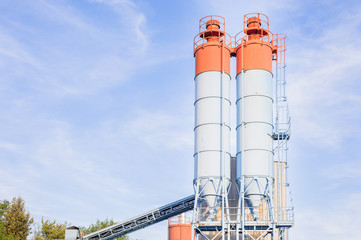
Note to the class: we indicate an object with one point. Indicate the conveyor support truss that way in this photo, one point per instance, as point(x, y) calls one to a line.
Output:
point(144, 220)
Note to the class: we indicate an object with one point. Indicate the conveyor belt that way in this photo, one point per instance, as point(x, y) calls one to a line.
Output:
point(144, 220)
point(281, 136)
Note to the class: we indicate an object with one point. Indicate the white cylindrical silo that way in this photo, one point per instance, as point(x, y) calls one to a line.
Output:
point(212, 116)
point(255, 113)
point(255, 139)
point(212, 134)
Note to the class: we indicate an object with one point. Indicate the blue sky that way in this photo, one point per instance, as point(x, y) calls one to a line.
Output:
point(96, 100)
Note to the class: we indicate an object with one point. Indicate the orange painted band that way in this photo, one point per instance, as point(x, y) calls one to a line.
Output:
point(254, 54)
point(180, 231)
point(211, 57)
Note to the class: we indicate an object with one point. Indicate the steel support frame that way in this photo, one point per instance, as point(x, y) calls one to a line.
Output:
point(242, 223)
point(199, 215)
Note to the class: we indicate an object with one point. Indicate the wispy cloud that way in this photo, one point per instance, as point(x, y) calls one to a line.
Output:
point(92, 161)
point(160, 129)
point(12, 49)
point(332, 221)
point(53, 166)
point(65, 13)
point(57, 164)
point(133, 21)
point(55, 64)
point(322, 82)
point(347, 170)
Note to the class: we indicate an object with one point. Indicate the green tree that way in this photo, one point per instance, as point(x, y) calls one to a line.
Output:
point(4, 206)
point(100, 225)
point(16, 220)
point(50, 230)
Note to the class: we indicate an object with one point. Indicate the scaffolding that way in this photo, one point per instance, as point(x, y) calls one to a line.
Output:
point(284, 212)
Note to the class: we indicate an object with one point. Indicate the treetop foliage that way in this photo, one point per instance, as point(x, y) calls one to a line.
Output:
point(100, 225)
point(51, 230)
point(15, 221)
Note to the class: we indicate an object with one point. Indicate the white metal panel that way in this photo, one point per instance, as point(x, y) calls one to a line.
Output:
point(257, 136)
point(212, 133)
point(208, 164)
point(257, 163)
point(256, 82)
point(209, 84)
point(207, 138)
point(257, 108)
point(208, 111)
point(254, 136)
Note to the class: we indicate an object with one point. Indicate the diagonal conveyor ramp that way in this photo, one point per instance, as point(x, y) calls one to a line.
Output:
point(143, 220)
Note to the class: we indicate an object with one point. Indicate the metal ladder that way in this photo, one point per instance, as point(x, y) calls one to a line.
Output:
point(281, 135)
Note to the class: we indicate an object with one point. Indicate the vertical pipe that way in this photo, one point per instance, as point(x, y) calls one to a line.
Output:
point(221, 134)
point(242, 149)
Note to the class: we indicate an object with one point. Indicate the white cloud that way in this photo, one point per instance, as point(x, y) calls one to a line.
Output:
point(52, 171)
point(133, 21)
point(346, 170)
point(160, 129)
point(72, 54)
point(55, 159)
point(322, 82)
point(10, 48)
point(338, 220)
point(8, 146)
point(64, 13)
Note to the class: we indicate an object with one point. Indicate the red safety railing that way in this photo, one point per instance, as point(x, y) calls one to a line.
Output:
point(208, 31)
point(279, 41)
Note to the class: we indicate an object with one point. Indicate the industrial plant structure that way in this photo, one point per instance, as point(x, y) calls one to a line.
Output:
point(244, 196)
point(256, 206)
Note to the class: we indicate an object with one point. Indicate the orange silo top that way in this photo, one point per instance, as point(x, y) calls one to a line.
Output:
point(211, 46)
point(255, 50)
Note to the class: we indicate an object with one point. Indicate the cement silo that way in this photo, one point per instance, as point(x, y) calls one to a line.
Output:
point(212, 116)
point(255, 111)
